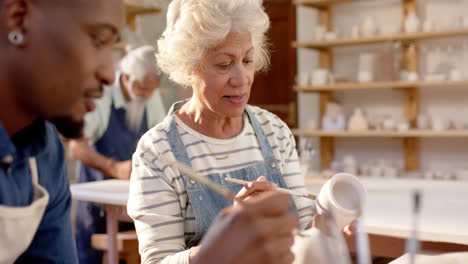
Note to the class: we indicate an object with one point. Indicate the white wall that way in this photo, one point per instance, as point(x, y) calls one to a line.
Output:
point(448, 102)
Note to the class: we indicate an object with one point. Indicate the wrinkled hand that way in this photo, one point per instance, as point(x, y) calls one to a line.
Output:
point(257, 231)
point(120, 169)
point(254, 188)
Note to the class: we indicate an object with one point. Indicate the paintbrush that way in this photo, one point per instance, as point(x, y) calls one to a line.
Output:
point(200, 178)
point(412, 244)
point(281, 190)
point(211, 185)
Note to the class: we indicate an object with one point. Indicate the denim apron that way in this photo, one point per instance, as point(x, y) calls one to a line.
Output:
point(206, 203)
point(118, 142)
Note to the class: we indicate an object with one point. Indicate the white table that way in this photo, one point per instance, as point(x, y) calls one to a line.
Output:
point(449, 258)
point(444, 209)
point(113, 194)
point(444, 213)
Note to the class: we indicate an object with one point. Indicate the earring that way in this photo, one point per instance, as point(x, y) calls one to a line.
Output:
point(16, 37)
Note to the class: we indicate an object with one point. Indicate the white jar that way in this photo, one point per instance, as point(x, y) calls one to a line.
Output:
point(412, 23)
point(368, 27)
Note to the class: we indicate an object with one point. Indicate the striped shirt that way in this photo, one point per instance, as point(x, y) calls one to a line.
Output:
point(159, 204)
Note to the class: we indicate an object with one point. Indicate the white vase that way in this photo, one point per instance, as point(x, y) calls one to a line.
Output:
point(412, 23)
point(358, 122)
point(368, 27)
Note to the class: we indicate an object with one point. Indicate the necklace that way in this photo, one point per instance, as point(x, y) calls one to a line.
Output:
point(225, 154)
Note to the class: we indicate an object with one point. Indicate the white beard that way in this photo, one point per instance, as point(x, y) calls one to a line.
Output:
point(134, 114)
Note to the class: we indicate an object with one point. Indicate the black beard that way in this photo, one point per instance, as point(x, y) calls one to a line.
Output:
point(69, 127)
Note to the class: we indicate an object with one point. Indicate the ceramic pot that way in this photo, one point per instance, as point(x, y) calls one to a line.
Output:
point(423, 122)
point(314, 244)
point(358, 122)
point(412, 23)
point(321, 77)
point(368, 27)
point(344, 196)
point(334, 124)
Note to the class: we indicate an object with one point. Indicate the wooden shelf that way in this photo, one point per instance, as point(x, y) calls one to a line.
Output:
point(135, 9)
point(380, 39)
point(321, 3)
point(410, 133)
point(378, 85)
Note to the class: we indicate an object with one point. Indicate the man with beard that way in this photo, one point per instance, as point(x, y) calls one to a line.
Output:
point(54, 58)
point(127, 110)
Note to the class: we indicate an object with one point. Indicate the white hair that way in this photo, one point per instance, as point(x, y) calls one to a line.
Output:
point(194, 26)
point(139, 62)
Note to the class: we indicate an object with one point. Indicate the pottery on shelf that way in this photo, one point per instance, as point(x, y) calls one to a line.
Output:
point(413, 77)
point(329, 36)
point(423, 122)
point(350, 164)
point(412, 23)
point(334, 124)
point(389, 124)
point(321, 77)
point(368, 27)
point(358, 121)
point(440, 123)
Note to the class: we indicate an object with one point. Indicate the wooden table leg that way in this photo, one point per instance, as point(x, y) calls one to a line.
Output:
point(112, 229)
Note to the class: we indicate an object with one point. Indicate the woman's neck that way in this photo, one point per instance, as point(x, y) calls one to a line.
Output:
point(209, 123)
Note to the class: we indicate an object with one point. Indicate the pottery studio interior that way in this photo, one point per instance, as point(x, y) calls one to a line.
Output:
point(359, 113)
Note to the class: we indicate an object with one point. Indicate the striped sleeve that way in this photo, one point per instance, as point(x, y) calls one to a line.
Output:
point(155, 200)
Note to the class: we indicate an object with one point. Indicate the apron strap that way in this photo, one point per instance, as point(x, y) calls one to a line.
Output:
point(33, 168)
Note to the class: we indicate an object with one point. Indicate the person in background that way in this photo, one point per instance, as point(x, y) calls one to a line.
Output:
point(128, 108)
point(214, 47)
point(55, 56)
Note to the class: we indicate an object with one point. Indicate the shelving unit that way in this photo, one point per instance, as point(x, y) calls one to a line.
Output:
point(377, 134)
point(323, 3)
point(381, 39)
point(378, 85)
point(410, 90)
point(132, 10)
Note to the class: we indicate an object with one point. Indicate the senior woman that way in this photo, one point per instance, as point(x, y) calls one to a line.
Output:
point(214, 47)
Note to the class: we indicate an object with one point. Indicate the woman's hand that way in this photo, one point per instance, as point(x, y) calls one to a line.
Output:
point(254, 188)
point(258, 231)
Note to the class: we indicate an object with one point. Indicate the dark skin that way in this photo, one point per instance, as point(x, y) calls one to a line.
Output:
point(63, 62)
